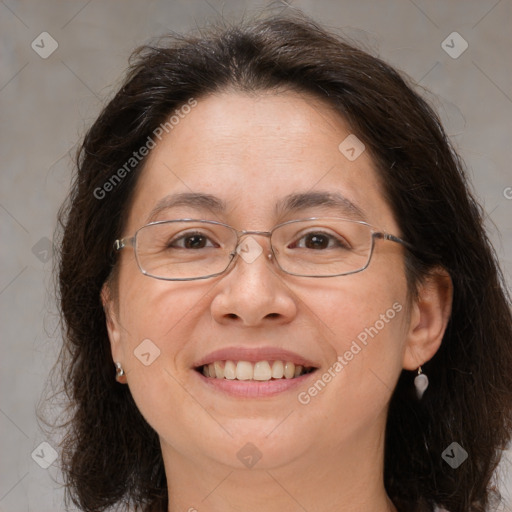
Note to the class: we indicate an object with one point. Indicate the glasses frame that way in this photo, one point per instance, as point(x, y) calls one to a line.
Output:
point(123, 243)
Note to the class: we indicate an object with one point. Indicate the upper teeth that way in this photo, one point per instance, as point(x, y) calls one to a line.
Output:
point(245, 370)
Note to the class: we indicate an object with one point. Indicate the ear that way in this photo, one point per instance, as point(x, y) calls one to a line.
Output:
point(430, 313)
point(113, 326)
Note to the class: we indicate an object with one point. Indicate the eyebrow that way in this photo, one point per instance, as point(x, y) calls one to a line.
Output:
point(319, 199)
point(289, 204)
point(198, 200)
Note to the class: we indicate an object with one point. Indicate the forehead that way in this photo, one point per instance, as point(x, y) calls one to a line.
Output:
point(252, 151)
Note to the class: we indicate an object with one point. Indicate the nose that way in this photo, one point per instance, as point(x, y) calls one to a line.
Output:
point(253, 292)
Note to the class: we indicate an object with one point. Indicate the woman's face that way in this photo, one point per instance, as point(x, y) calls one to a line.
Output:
point(253, 152)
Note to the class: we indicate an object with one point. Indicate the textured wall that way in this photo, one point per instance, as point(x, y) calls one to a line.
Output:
point(48, 99)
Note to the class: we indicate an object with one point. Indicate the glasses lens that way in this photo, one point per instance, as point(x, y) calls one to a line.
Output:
point(322, 247)
point(184, 249)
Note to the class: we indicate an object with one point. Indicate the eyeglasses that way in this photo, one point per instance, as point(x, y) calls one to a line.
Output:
point(188, 249)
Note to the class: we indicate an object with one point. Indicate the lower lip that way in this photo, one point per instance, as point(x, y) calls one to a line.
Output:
point(253, 388)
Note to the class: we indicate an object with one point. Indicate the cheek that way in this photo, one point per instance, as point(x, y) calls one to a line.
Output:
point(151, 314)
point(363, 319)
point(157, 311)
point(158, 319)
point(366, 339)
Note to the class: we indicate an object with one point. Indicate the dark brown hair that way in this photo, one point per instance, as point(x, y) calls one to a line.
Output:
point(110, 454)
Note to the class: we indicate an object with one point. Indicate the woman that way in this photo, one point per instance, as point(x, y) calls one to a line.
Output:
point(276, 289)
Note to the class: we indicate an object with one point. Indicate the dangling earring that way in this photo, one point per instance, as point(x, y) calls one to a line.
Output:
point(119, 371)
point(421, 383)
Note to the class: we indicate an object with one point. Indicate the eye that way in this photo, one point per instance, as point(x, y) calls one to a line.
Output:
point(192, 240)
point(319, 240)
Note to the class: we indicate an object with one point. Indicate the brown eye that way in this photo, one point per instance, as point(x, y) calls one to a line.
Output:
point(191, 241)
point(317, 240)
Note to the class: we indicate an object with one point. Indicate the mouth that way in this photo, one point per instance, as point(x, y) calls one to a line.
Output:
point(260, 371)
point(255, 372)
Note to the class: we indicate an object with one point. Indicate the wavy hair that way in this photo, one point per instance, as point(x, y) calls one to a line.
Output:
point(110, 455)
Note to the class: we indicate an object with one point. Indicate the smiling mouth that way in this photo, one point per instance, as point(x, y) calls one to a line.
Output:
point(258, 371)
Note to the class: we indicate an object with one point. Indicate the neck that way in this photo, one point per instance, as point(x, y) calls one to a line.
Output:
point(348, 477)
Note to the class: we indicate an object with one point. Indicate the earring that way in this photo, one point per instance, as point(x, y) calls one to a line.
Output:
point(119, 371)
point(421, 383)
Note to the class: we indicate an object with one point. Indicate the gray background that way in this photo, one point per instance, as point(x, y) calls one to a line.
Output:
point(46, 105)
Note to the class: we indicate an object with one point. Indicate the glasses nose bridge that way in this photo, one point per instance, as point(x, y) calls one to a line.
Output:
point(241, 234)
point(245, 232)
